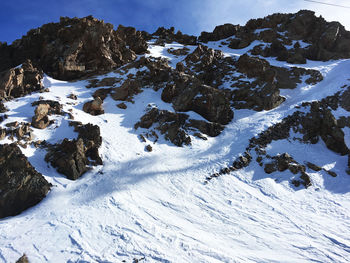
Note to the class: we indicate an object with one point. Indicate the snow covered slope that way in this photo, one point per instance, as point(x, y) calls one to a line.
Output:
point(155, 207)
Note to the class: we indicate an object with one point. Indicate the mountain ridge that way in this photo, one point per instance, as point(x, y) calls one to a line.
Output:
point(168, 137)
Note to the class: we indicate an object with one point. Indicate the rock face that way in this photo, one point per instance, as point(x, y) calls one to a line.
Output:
point(20, 81)
point(71, 157)
point(220, 32)
point(168, 36)
point(20, 184)
point(74, 48)
point(325, 40)
point(175, 126)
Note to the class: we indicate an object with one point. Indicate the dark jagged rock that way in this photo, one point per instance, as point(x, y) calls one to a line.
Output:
point(127, 90)
point(3, 109)
point(242, 161)
point(176, 126)
point(102, 93)
point(54, 106)
point(23, 259)
point(74, 48)
point(179, 51)
point(168, 36)
point(345, 99)
point(20, 81)
point(172, 125)
point(220, 32)
point(71, 157)
point(133, 38)
point(94, 107)
point(204, 55)
point(108, 82)
point(210, 103)
point(313, 166)
point(327, 40)
point(263, 92)
point(20, 184)
point(209, 128)
point(45, 108)
point(317, 123)
point(41, 119)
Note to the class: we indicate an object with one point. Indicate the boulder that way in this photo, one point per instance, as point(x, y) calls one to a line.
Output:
point(41, 119)
point(94, 107)
point(21, 186)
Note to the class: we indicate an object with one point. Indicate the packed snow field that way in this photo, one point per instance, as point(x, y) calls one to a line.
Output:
point(155, 207)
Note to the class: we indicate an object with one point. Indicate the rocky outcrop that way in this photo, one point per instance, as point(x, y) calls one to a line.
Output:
point(94, 107)
point(73, 157)
point(176, 127)
point(326, 40)
point(74, 48)
point(345, 99)
point(20, 81)
point(261, 94)
point(171, 125)
point(317, 123)
point(41, 119)
point(134, 39)
point(263, 91)
point(220, 32)
point(45, 108)
point(21, 186)
point(168, 36)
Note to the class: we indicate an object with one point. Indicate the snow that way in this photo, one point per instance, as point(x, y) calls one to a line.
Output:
point(156, 206)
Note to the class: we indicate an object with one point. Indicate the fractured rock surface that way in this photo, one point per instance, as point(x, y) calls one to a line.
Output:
point(21, 186)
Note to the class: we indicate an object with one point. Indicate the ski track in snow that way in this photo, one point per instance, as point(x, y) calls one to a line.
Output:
point(155, 206)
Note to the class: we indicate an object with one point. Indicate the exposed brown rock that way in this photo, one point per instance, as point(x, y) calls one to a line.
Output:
point(73, 48)
point(23, 259)
point(20, 184)
point(20, 81)
point(220, 32)
point(133, 38)
point(40, 119)
point(102, 93)
point(122, 106)
point(168, 36)
point(148, 148)
point(127, 90)
point(94, 107)
point(71, 157)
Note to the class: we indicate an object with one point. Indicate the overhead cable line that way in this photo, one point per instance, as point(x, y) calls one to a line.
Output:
point(323, 3)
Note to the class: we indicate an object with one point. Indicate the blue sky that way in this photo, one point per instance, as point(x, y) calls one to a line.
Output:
point(190, 16)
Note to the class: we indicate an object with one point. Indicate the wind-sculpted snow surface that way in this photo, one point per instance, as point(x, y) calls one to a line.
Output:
point(138, 205)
